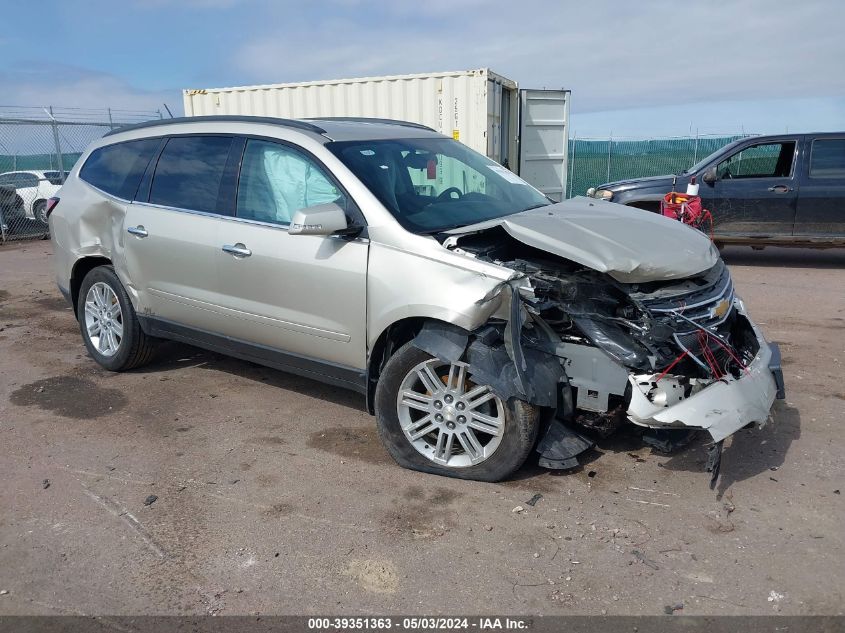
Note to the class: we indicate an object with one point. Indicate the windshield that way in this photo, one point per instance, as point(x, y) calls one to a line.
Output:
point(435, 184)
point(704, 161)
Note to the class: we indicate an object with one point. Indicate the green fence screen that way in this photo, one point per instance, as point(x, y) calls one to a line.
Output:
point(593, 162)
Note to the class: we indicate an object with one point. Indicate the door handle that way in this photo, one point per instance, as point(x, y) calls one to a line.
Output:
point(780, 189)
point(238, 250)
point(138, 231)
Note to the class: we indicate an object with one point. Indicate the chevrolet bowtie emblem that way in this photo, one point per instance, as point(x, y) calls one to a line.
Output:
point(720, 309)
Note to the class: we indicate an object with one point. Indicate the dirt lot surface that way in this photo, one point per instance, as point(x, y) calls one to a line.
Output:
point(275, 496)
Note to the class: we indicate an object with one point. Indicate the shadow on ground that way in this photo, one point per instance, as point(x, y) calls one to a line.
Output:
point(174, 356)
point(750, 452)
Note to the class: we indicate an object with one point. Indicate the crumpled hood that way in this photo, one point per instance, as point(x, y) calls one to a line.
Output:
point(631, 245)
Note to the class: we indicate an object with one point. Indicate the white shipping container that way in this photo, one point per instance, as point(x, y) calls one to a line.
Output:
point(477, 107)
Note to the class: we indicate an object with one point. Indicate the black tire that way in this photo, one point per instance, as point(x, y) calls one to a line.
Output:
point(521, 426)
point(39, 212)
point(136, 348)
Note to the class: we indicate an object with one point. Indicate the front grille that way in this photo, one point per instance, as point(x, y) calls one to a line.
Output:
point(706, 307)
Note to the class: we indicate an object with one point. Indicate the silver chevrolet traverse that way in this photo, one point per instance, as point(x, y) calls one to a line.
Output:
point(479, 319)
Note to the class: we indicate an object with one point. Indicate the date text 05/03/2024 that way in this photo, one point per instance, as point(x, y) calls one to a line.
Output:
point(418, 623)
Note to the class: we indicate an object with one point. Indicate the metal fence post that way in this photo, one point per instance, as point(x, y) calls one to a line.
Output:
point(111, 122)
point(609, 146)
point(570, 184)
point(695, 152)
point(55, 126)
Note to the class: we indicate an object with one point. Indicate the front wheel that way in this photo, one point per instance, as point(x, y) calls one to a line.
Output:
point(433, 417)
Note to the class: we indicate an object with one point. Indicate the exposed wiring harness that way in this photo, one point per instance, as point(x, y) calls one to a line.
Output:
point(710, 363)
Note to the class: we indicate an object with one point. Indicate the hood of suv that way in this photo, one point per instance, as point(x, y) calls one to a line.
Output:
point(631, 245)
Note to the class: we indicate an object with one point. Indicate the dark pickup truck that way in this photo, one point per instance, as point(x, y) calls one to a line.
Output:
point(785, 190)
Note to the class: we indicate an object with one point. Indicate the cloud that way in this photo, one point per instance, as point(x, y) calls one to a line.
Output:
point(46, 84)
point(613, 55)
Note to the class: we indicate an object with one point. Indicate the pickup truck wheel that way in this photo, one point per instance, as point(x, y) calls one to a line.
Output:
point(108, 323)
point(433, 418)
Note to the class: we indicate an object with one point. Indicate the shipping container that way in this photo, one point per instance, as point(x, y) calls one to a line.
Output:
point(524, 130)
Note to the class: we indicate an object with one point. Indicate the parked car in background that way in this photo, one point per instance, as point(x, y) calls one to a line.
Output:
point(479, 320)
point(785, 190)
point(34, 187)
point(11, 209)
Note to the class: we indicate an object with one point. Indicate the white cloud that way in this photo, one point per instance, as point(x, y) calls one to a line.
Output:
point(44, 85)
point(613, 55)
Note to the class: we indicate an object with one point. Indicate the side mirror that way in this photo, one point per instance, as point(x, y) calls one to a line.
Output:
point(710, 176)
point(323, 219)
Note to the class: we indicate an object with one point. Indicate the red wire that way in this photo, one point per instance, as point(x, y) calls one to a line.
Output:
point(730, 351)
point(707, 353)
point(672, 364)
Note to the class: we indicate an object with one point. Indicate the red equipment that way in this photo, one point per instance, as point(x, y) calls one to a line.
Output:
point(687, 209)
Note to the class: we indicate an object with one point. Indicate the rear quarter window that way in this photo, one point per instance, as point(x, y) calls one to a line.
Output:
point(117, 169)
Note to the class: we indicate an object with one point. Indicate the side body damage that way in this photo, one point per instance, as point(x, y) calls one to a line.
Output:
point(664, 352)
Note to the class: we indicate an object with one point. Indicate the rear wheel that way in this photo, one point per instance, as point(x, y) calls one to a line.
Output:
point(108, 322)
point(434, 418)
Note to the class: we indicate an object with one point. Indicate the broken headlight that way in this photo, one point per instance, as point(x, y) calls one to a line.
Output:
point(601, 194)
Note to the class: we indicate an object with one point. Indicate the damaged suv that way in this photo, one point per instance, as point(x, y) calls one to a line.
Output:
point(480, 320)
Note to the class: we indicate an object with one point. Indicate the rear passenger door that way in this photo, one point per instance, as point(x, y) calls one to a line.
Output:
point(171, 230)
point(301, 294)
point(755, 192)
point(821, 203)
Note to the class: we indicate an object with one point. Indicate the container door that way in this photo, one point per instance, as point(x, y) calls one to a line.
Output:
point(543, 134)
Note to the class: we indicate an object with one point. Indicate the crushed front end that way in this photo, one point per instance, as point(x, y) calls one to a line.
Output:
point(664, 354)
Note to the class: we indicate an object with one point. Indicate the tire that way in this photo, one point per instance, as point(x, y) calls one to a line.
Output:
point(39, 212)
point(134, 348)
point(519, 421)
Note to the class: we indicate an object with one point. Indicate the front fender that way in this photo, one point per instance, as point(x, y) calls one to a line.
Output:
point(437, 285)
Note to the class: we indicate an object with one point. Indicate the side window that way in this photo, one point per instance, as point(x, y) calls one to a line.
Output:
point(276, 181)
point(27, 180)
point(827, 158)
point(117, 169)
point(767, 160)
point(189, 172)
point(7, 180)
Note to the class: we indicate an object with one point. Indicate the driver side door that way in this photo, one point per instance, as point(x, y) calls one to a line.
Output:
point(755, 191)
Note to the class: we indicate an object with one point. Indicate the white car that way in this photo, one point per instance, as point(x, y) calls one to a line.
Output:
point(34, 187)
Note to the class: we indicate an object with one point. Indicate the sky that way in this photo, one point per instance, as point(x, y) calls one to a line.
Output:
point(636, 68)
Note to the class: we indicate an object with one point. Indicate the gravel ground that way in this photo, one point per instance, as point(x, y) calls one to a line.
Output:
point(275, 496)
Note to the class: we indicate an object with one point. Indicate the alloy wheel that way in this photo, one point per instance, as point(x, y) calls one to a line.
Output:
point(103, 319)
point(446, 417)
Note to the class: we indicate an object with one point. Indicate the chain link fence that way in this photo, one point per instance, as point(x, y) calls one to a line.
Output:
point(38, 146)
point(593, 162)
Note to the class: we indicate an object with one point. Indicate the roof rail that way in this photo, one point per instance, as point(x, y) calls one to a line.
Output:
point(232, 118)
point(361, 119)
